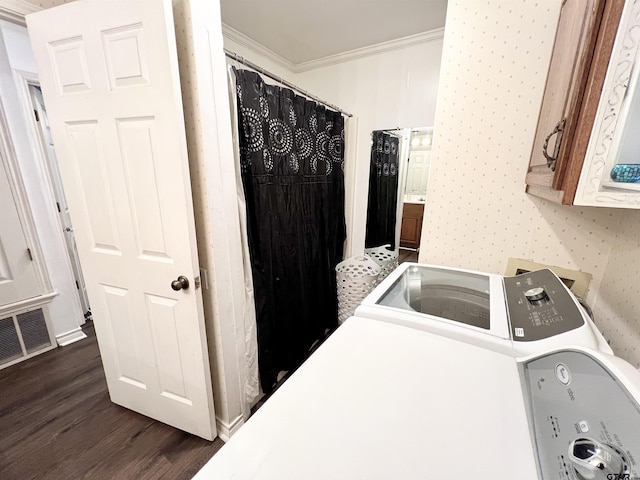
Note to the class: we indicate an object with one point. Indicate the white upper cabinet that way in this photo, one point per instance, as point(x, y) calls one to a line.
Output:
point(610, 176)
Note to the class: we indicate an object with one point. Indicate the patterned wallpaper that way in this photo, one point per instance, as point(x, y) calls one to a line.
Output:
point(495, 61)
point(618, 305)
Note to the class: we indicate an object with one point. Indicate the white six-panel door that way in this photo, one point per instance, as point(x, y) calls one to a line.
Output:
point(418, 171)
point(109, 73)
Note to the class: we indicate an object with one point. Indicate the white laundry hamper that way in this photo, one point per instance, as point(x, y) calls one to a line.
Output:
point(356, 278)
point(387, 260)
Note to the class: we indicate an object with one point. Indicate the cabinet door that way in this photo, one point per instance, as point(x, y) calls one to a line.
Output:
point(411, 229)
point(570, 62)
point(608, 177)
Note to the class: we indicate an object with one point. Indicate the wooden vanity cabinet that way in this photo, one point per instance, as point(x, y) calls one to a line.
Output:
point(411, 228)
point(582, 48)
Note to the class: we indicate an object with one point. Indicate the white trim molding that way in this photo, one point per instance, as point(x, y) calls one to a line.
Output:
point(15, 10)
point(28, 304)
point(389, 46)
point(248, 42)
point(70, 337)
point(226, 430)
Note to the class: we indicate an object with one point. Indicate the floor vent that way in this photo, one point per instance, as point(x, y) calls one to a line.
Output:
point(23, 334)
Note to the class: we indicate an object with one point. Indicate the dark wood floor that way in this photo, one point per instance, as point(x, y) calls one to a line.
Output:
point(57, 422)
point(407, 256)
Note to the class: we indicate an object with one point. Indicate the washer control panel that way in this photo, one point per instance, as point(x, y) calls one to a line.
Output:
point(585, 423)
point(540, 306)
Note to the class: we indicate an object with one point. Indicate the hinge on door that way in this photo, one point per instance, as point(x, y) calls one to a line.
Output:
point(77, 285)
point(197, 282)
point(58, 205)
point(37, 115)
point(30, 254)
point(203, 278)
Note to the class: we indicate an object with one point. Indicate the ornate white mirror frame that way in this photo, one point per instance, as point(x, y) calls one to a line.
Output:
point(621, 84)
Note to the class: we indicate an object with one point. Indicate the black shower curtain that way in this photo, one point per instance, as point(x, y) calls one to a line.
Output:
point(291, 153)
point(383, 191)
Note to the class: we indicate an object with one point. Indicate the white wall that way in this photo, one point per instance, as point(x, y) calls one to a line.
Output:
point(478, 215)
point(16, 55)
point(617, 307)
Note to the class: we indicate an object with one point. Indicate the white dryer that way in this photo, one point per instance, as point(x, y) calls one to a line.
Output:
point(380, 401)
point(524, 314)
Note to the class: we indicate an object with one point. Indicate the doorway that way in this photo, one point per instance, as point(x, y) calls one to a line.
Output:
point(415, 193)
point(46, 140)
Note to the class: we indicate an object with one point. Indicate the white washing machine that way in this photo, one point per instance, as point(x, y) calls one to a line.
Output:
point(402, 391)
point(382, 401)
point(524, 314)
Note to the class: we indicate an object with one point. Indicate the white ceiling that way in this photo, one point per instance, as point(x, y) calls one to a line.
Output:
point(305, 30)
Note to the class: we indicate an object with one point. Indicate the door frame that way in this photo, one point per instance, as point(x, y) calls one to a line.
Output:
point(210, 145)
point(24, 80)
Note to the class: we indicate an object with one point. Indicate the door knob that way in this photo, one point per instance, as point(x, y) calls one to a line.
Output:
point(180, 283)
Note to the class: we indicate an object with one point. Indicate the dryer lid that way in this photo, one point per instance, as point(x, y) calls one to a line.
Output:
point(381, 401)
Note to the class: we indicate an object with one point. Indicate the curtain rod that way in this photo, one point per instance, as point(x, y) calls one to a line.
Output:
point(413, 130)
point(278, 79)
point(390, 132)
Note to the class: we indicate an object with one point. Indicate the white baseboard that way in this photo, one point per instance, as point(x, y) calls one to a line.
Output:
point(69, 337)
point(226, 430)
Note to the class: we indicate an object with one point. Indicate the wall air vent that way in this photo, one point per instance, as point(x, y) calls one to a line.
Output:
point(23, 334)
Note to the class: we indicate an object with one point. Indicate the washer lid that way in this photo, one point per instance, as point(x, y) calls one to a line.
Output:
point(381, 401)
point(454, 295)
point(464, 303)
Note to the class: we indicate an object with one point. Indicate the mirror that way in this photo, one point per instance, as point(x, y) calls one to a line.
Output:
point(398, 175)
point(419, 162)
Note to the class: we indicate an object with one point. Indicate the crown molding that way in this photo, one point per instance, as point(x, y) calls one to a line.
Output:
point(248, 42)
point(397, 44)
point(15, 10)
point(377, 49)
